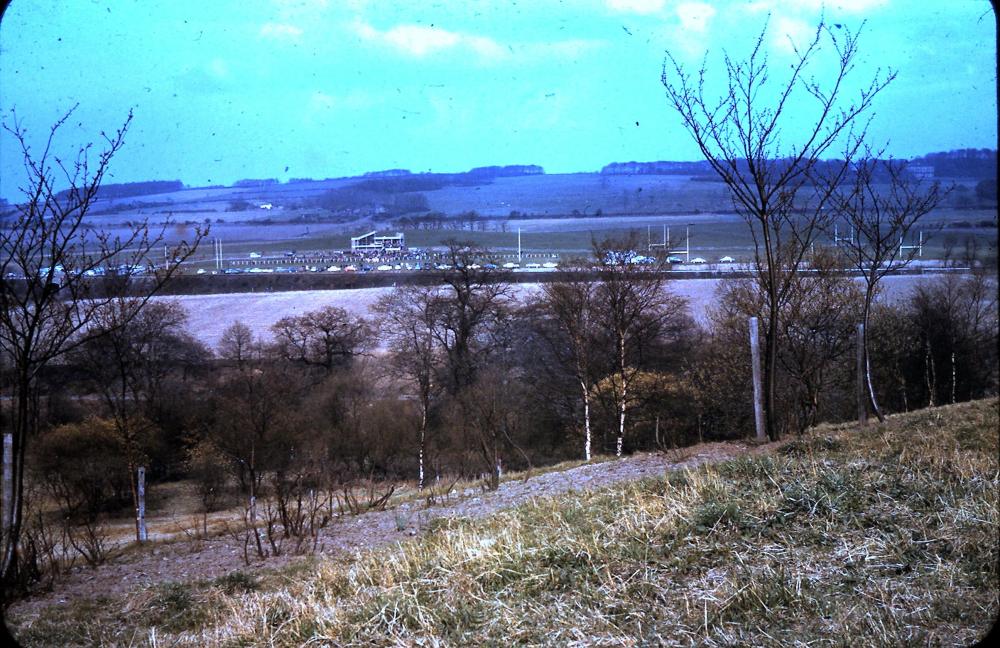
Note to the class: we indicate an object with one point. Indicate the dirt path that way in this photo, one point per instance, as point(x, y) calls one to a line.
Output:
point(208, 559)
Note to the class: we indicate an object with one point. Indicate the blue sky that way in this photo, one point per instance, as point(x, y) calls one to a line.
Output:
point(231, 89)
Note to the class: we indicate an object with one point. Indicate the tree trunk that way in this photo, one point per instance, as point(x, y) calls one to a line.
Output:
point(758, 405)
point(8, 564)
point(422, 449)
point(954, 377)
point(622, 401)
point(134, 491)
point(140, 518)
point(860, 387)
point(8, 486)
point(771, 338)
point(586, 421)
point(929, 376)
point(872, 400)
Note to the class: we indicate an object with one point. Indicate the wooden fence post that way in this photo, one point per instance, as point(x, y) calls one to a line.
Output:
point(141, 511)
point(758, 391)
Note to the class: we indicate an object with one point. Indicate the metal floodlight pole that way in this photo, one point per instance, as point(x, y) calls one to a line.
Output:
point(518, 244)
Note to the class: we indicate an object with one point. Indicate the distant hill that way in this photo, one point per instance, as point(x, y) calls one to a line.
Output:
point(129, 189)
point(509, 171)
point(662, 167)
point(979, 164)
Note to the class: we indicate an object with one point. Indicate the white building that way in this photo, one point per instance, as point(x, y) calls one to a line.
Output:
point(371, 242)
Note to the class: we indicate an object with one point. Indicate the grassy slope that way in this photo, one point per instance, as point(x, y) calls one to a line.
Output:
point(887, 536)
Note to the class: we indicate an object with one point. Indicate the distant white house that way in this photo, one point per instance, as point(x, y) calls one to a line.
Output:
point(372, 242)
point(921, 171)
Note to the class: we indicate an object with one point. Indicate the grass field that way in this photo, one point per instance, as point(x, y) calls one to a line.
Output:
point(886, 536)
point(209, 315)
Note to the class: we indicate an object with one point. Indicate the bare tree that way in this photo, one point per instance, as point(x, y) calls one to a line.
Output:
point(257, 426)
point(407, 318)
point(237, 344)
point(570, 301)
point(634, 307)
point(774, 168)
point(817, 327)
point(492, 413)
point(323, 338)
point(50, 310)
point(126, 363)
point(472, 301)
point(882, 205)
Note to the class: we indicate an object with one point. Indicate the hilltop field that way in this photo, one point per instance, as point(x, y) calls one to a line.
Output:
point(557, 214)
point(209, 315)
point(886, 535)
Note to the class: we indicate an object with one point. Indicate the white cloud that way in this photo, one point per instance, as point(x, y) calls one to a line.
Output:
point(789, 33)
point(321, 101)
point(217, 68)
point(320, 107)
point(565, 49)
point(695, 16)
point(301, 5)
point(419, 40)
point(846, 6)
point(814, 7)
point(635, 6)
point(280, 31)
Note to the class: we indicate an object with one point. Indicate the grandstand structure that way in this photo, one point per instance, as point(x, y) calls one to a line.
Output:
point(373, 242)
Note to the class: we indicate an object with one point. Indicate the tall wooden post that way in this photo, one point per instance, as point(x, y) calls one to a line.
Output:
point(140, 512)
point(8, 485)
point(758, 390)
point(862, 397)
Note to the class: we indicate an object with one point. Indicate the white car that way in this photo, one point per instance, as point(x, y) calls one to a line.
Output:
point(384, 268)
point(698, 260)
point(509, 265)
point(533, 265)
point(550, 264)
point(333, 268)
point(255, 255)
point(727, 259)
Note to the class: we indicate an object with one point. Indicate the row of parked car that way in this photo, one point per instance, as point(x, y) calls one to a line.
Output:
point(385, 267)
point(700, 260)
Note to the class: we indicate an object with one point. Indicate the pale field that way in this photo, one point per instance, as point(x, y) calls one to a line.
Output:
point(209, 315)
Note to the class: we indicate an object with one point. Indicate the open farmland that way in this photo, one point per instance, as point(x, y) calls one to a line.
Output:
point(211, 314)
point(558, 214)
point(584, 194)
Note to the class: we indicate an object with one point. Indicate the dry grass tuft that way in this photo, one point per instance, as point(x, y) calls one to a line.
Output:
point(883, 536)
